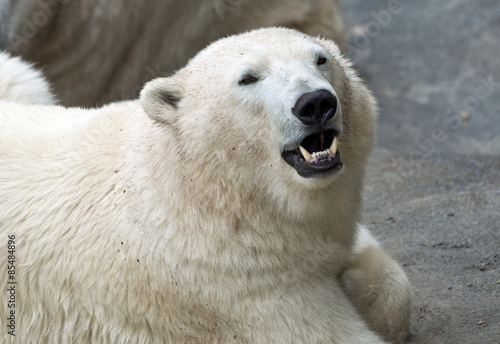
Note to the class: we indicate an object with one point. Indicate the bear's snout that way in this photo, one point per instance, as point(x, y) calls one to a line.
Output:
point(316, 107)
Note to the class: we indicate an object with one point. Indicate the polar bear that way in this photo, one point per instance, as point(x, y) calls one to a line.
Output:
point(221, 207)
point(96, 51)
point(20, 82)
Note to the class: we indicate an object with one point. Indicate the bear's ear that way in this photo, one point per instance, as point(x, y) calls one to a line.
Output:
point(160, 99)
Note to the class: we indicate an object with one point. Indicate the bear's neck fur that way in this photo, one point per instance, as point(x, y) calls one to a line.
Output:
point(245, 233)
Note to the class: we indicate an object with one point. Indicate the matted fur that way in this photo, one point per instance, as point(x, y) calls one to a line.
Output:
point(178, 221)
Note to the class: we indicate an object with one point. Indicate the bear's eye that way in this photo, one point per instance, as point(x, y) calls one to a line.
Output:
point(321, 61)
point(248, 79)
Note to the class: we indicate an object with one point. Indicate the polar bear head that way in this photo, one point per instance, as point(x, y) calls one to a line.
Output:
point(268, 110)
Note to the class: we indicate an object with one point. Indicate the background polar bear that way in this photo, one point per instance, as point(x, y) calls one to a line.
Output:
point(21, 83)
point(192, 215)
point(98, 51)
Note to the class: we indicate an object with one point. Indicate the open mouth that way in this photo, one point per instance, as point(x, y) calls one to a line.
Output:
point(316, 156)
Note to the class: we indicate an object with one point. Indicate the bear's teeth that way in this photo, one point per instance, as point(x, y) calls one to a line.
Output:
point(333, 147)
point(308, 156)
point(305, 154)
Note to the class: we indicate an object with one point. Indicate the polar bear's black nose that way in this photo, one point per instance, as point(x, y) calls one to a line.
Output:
point(315, 107)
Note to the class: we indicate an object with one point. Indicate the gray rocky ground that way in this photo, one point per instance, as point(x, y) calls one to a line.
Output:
point(433, 186)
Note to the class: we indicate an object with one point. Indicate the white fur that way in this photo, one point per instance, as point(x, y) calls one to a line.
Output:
point(175, 219)
point(378, 288)
point(20, 82)
point(96, 51)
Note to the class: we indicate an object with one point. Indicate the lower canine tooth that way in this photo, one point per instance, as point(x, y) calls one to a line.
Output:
point(333, 147)
point(305, 154)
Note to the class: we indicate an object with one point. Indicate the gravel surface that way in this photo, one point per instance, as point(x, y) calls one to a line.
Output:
point(441, 221)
